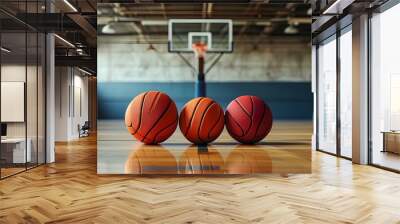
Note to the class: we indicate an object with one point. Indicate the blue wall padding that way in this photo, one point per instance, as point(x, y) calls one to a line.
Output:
point(287, 100)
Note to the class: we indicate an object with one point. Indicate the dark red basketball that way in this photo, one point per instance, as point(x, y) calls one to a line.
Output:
point(201, 120)
point(248, 119)
point(151, 117)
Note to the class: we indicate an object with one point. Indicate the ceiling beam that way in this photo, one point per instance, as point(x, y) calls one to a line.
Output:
point(76, 61)
point(86, 27)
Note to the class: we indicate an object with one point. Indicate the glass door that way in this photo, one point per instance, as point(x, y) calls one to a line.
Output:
point(22, 77)
point(327, 96)
point(14, 144)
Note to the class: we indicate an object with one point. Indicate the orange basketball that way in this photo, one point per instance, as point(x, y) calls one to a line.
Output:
point(201, 120)
point(248, 119)
point(151, 117)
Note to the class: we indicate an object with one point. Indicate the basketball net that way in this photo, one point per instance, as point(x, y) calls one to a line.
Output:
point(199, 49)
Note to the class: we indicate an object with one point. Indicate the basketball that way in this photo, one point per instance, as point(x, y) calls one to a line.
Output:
point(201, 120)
point(248, 119)
point(151, 117)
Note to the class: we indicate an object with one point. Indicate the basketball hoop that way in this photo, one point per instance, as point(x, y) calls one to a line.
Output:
point(199, 49)
point(199, 36)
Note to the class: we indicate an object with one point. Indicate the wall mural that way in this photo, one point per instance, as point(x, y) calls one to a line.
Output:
point(178, 97)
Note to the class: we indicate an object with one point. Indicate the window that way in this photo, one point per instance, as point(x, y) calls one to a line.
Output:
point(334, 100)
point(346, 93)
point(385, 89)
point(327, 95)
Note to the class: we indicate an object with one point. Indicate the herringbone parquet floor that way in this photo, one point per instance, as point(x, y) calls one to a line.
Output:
point(70, 191)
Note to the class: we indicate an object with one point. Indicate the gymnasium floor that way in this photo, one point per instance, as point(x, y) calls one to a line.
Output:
point(285, 150)
point(70, 191)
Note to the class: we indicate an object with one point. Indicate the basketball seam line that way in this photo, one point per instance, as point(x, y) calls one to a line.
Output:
point(168, 126)
point(215, 125)
point(233, 119)
point(259, 124)
point(159, 118)
point(191, 117)
point(252, 114)
point(202, 119)
point(157, 98)
point(140, 114)
point(248, 114)
point(244, 110)
point(131, 126)
point(156, 122)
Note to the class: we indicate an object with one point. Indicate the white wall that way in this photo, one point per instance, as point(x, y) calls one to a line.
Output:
point(70, 109)
point(248, 62)
point(62, 81)
point(80, 109)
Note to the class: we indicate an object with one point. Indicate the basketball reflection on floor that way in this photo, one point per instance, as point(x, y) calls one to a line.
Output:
point(159, 159)
point(245, 160)
point(150, 159)
point(201, 161)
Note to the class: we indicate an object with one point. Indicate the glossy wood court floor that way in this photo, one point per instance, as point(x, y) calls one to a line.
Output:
point(279, 152)
point(70, 191)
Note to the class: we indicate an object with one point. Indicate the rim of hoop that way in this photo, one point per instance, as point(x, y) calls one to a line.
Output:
point(199, 48)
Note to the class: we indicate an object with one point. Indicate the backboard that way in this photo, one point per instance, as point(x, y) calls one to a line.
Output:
point(215, 33)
